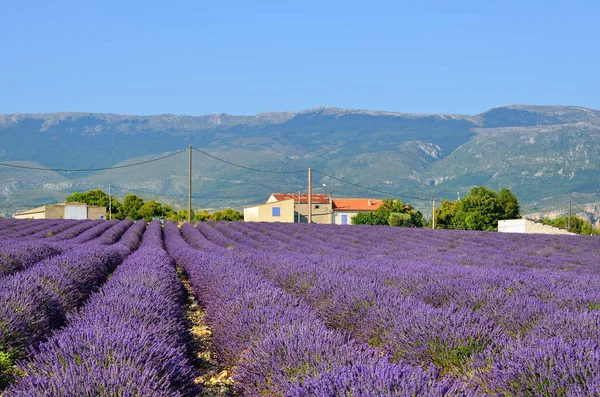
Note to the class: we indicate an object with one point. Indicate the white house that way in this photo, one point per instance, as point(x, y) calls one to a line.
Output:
point(345, 208)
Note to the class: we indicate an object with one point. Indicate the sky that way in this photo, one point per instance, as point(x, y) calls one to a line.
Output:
point(247, 57)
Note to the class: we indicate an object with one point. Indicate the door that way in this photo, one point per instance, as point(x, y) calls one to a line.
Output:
point(344, 219)
point(75, 212)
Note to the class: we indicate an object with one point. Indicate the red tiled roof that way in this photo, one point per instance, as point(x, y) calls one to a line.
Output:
point(357, 204)
point(316, 198)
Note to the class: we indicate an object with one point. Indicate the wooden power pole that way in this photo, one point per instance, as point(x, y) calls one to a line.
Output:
point(309, 195)
point(569, 220)
point(433, 214)
point(189, 215)
point(109, 203)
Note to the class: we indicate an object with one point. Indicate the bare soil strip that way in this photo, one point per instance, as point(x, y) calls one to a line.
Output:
point(215, 379)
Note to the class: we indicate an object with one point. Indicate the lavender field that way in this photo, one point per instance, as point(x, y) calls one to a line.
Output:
point(101, 308)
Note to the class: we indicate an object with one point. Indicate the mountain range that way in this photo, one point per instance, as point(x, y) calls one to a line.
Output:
point(546, 155)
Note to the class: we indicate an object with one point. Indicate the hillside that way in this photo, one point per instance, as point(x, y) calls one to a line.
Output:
point(543, 153)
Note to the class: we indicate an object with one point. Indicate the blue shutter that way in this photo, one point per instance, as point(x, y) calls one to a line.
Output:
point(344, 219)
point(275, 211)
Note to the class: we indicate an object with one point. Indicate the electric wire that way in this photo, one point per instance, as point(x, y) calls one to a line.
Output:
point(245, 167)
point(92, 169)
point(155, 194)
point(372, 189)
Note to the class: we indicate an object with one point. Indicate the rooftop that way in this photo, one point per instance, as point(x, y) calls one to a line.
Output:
point(316, 198)
point(356, 204)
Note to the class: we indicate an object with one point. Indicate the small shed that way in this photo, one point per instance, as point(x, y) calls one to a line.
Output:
point(64, 211)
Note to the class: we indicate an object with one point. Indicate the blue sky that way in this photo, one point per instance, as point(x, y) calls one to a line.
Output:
point(246, 57)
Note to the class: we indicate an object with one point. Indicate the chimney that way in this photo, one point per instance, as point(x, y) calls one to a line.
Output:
point(369, 203)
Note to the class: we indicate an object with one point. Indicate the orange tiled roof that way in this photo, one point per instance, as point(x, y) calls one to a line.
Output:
point(356, 204)
point(316, 198)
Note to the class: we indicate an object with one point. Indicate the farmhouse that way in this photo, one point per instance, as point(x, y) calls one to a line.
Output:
point(64, 211)
point(290, 207)
point(344, 209)
point(293, 208)
point(528, 226)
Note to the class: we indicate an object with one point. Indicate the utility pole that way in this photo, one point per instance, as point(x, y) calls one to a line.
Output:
point(569, 220)
point(433, 216)
point(109, 203)
point(309, 195)
point(189, 217)
point(299, 202)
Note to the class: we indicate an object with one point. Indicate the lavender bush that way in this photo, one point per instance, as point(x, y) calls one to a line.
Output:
point(129, 340)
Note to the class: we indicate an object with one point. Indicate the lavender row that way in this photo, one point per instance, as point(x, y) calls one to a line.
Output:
point(26, 227)
point(571, 252)
point(54, 229)
point(36, 300)
point(75, 231)
point(278, 345)
point(16, 256)
point(130, 339)
point(132, 237)
point(94, 232)
point(7, 226)
point(468, 322)
point(112, 234)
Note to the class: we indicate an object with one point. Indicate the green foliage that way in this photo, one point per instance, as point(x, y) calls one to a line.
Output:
point(508, 203)
point(7, 369)
point(202, 216)
point(227, 214)
point(96, 197)
point(391, 212)
point(578, 225)
point(481, 209)
point(455, 359)
point(135, 208)
point(152, 209)
point(399, 219)
point(131, 207)
point(368, 218)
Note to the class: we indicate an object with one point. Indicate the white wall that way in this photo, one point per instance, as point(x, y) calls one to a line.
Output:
point(75, 212)
point(512, 226)
point(337, 216)
point(251, 214)
point(528, 226)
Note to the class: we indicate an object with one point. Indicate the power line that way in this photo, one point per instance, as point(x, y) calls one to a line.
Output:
point(374, 190)
point(91, 169)
point(247, 168)
point(179, 196)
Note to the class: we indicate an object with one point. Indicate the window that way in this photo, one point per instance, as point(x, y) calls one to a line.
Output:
point(344, 219)
point(275, 211)
point(317, 207)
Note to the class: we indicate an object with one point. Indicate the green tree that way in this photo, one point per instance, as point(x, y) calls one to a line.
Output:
point(444, 215)
point(367, 218)
point(182, 215)
point(96, 197)
point(481, 209)
point(202, 216)
point(381, 216)
point(131, 207)
point(484, 203)
point(151, 209)
point(227, 214)
point(578, 225)
point(509, 204)
point(399, 219)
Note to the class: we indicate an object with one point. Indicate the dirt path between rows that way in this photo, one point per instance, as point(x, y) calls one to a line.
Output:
point(215, 379)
